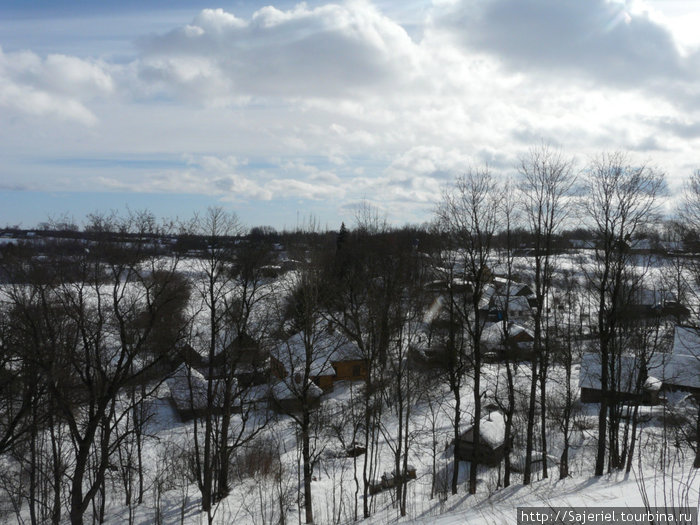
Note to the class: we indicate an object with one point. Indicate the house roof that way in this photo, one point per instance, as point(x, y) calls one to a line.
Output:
point(678, 370)
point(290, 388)
point(512, 288)
point(668, 369)
point(292, 354)
point(492, 429)
point(686, 341)
point(494, 334)
point(188, 389)
point(517, 303)
point(590, 374)
point(347, 351)
point(327, 347)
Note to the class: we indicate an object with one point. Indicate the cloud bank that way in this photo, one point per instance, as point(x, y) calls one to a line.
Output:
point(327, 105)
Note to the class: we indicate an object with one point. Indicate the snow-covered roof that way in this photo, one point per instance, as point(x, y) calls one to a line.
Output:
point(492, 429)
point(290, 388)
point(627, 367)
point(678, 370)
point(509, 287)
point(517, 303)
point(494, 334)
point(188, 389)
point(686, 341)
point(327, 346)
point(292, 354)
point(668, 369)
point(347, 351)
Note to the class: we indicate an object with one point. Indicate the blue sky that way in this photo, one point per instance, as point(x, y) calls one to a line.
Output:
point(283, 110)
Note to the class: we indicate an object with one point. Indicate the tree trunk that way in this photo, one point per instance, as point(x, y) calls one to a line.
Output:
point(308, 471)
point(530, 431)
point(457, 414)
point(474, 466)
point(543, 409)
point(696, 463)
point(509, 425)
point(603, 411)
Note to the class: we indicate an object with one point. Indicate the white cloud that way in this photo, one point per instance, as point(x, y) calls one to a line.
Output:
point(56, 86)
point(329, 51)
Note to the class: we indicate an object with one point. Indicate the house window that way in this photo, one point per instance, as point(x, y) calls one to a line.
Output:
point(356, 371)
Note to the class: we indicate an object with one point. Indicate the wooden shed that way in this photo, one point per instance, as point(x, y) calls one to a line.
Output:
point(492, 432)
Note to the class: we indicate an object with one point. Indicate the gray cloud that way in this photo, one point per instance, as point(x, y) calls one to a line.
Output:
point(598, 39)
point(679, 128)
point(329, 50)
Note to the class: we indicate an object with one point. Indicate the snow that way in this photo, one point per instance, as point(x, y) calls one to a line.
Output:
point(291, 389)
point(686, 341)
point(168, 447)
point(188, 389)
point(492, 429)
point(593, 493)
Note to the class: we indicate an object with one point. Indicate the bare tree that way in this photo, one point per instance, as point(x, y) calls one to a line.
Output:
point(620, 200)
point(309, 344)
point(363, 305)
point(690, 216)
point(468, 214)
point(230, 325)
point(401, 391)
point(566, 312)
point(546, 184)
point(89, 334)
point(509, 219)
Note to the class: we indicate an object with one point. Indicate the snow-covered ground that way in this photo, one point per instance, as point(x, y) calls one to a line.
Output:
point(265, 486)
point(266, 473)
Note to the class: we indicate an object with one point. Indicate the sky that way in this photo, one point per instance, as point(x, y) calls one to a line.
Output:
point(289, 112)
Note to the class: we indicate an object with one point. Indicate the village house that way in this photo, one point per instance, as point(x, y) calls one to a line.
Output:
point(188, 394)
point(516, 347)
point(514, 308)
point(287, 396)
point(292, 358)
point(349, 363)
point(333, 358)
point(680, 370)
point(633, 381)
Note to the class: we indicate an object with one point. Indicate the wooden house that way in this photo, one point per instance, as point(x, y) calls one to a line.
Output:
point(288, 395)
point(632, 381)
point(349, 363)
point(652, 303)
point(680, 370)
point(291, 355)
point(517, 346)
point(492, 441)
point(188, 394)
point(246, 360)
